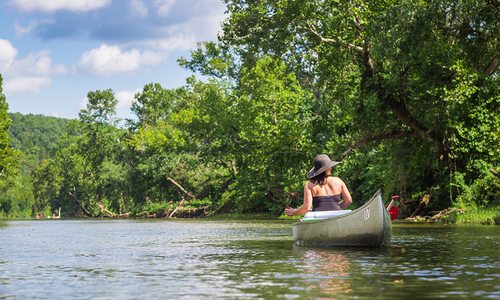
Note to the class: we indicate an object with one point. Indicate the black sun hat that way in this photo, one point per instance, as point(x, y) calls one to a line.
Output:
point(320, 164)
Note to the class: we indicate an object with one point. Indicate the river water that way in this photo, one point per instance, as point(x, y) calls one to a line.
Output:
point(193, 259)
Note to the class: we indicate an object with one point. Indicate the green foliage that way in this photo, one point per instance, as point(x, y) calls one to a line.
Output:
point(414, 81)
point(273, 120)
point(483, 192)
point(35, 136)
point(8, 157)
point(406, 93)
point(15, 190)
point(16, 197)
point(474, 215)
point(47, 181)
point(469, 215)
point(151, 209)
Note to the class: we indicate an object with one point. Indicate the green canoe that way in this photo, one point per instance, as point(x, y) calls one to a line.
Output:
point(367, 226)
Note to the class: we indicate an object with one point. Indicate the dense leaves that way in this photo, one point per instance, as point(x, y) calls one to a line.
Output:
point(404, 92)
point(7, 155)
point(36, 137)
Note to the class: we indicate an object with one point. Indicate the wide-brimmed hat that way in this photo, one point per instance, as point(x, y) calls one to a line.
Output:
point(320, 164)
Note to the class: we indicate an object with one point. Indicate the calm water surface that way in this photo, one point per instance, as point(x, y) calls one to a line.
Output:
point(132, 259)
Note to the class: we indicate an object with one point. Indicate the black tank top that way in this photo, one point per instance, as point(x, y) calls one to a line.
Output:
point(322, 203)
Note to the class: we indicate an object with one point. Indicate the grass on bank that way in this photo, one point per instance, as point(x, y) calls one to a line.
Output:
point(485, 216)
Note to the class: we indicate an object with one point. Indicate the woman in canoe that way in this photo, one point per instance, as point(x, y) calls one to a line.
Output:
point(322, 192)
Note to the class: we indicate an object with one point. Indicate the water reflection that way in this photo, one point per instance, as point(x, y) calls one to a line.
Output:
point(237, 260)
point(327, 271)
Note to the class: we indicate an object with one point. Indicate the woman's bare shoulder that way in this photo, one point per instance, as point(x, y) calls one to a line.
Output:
point(335, 180)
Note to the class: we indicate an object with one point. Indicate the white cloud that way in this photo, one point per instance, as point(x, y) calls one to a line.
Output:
point(164, 7)
point(23, 30)
point(177, 41)
point(138, 8)
point(184, 36)
point(7, 55)
point(39, 63)
point(28, 74)
point(32, 25)
point(107, 60)
point(26, 84)
point(125, 98)
point(206, 26)
point(83, 103)
point(55, 5)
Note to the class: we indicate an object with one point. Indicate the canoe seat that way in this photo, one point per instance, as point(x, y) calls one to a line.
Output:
point(315, 215)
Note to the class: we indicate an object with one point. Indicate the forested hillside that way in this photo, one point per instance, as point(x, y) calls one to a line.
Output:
point(405, 93)
point(36, 136)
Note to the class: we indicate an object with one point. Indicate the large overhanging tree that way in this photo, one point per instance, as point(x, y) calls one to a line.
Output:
point(416, 81)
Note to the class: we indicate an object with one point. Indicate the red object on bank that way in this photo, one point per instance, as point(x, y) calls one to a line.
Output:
point(393, 210)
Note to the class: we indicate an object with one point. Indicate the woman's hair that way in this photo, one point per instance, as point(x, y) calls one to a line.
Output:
point(319, 179)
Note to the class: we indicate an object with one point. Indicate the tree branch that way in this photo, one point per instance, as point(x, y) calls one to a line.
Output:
point(183, 199)
point(376, 138)
point(178, 207)
point(181, 188)
point(399, 109)
point(73, 195)
point(357, 21)
point(311, 28)
point(493, 66)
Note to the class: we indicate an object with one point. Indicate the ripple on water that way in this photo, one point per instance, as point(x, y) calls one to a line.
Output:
point(195, 259)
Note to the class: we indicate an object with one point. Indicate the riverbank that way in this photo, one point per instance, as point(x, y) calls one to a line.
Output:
point(490, 216)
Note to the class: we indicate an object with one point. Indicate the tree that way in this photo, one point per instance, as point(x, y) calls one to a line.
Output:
point(7, 154)
point(399, 81)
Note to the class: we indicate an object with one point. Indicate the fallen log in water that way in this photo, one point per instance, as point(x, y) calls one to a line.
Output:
point(107, 213)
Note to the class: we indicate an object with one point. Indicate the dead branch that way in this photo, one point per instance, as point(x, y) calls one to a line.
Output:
point(446, 212)
point(311, 28)
point(181, 188)
point(423, 203)
point(106, 212)
point(178, 207)
point(183, 199)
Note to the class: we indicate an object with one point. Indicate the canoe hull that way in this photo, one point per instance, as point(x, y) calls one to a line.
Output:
point(367, 226)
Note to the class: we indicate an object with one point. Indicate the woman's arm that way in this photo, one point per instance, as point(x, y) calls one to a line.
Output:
point(305, 207)
point(346, 196)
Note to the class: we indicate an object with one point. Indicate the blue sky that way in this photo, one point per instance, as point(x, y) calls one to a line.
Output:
point(53, 52)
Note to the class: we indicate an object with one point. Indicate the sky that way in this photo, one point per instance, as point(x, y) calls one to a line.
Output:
point(53, 52)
